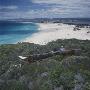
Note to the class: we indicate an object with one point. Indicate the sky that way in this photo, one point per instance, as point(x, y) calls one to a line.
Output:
point(12, 9)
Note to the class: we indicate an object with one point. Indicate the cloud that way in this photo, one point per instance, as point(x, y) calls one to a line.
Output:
point(63, 2)
point(43, 13)
point(47, 1)
point(8, 7)
point(47, 8)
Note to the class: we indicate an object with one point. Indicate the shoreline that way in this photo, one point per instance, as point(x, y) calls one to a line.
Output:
point(52, 31)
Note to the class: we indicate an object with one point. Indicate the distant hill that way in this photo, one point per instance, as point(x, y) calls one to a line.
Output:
point(54, 20)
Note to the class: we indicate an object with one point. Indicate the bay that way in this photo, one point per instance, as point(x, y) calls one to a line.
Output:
point(13, 32)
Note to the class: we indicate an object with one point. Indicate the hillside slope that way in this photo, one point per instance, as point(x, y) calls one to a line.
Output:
point(55, 73)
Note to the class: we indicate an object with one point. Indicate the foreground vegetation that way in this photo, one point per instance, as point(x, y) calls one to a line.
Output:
point(54, 73)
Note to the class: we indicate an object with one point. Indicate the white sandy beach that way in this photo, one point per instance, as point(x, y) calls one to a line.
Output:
point(53, 31)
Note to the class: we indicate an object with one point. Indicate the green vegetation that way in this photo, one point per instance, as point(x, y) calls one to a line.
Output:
point(54, 73)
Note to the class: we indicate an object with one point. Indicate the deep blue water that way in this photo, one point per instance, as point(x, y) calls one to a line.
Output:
point(16, 32)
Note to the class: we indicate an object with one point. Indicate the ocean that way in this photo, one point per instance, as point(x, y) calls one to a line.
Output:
point(13, 32)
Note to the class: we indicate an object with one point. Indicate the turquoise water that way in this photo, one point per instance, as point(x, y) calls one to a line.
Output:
point(13, 32)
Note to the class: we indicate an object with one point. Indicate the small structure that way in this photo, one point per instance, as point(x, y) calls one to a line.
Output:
point(39, 57)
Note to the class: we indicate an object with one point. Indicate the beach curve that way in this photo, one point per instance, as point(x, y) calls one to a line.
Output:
point(52, 31)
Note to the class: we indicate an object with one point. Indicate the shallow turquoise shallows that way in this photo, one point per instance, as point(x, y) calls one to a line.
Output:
point(13, 32)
